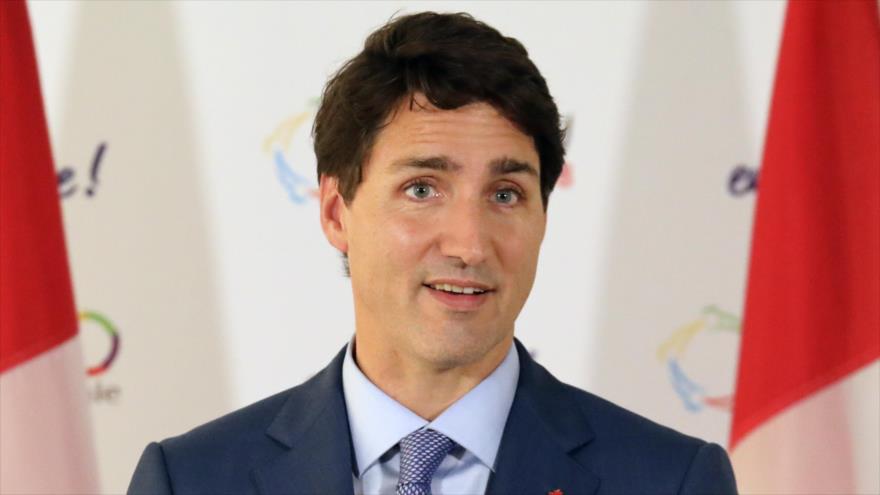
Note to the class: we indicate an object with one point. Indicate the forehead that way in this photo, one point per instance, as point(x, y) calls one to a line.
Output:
point(475, 135)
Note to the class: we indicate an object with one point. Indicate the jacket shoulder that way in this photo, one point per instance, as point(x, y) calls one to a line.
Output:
point(217, 457)
point(631, 453)
point(242, 425)
point(220, 456)
point(615, 423)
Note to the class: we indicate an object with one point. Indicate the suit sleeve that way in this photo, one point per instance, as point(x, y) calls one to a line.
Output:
point(151, 475)
point(710, 473)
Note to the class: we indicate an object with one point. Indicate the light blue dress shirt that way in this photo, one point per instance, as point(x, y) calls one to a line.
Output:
point(475, 422)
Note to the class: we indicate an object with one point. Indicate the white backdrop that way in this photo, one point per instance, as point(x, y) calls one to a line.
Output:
point(181, 137)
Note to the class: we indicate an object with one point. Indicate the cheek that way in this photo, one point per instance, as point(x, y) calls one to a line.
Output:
point(396, 242)
point(408, 233)
point(518, 243)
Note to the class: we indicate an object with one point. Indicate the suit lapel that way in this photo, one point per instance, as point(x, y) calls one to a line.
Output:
point(544, 434)
point(545, 428)
point(313, 426)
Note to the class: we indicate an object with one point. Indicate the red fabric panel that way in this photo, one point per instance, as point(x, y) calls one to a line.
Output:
point(812, 311)
point(36, 300)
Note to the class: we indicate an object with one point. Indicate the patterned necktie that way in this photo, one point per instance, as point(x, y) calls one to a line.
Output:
point(420, 453)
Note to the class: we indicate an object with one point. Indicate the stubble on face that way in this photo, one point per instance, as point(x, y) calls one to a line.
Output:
point(400, 242)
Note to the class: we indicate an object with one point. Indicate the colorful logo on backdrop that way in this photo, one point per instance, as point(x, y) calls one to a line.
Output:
point(695, 395)
point(113, 349)
point(100, 391)
point(295, 166)
point(70, 184)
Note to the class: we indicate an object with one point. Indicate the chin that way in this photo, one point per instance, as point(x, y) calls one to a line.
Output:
point(455, 347)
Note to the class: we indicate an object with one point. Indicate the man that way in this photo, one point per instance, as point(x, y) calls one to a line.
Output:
point(437, 147)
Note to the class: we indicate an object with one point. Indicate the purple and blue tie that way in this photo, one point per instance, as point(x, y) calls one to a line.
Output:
point(421, 452)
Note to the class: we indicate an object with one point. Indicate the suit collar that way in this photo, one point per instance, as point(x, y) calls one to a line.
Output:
point(545, 431)
point(313, 425)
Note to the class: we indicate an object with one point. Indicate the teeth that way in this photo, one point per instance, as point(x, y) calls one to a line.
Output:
point(457, 290)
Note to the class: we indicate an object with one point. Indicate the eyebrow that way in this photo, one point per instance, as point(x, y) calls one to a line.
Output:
point(505, 165)
point(499, 166)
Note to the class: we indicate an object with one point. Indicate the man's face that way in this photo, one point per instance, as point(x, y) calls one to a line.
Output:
point(450, 202)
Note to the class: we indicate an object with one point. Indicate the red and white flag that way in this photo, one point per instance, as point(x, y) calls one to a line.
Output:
point(45, 433)
point(807, 411)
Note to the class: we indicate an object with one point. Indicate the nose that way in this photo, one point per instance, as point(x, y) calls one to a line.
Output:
point(465, 232)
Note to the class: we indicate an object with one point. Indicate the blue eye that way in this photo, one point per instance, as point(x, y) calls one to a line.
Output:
point(420, 190)
point(506, 196)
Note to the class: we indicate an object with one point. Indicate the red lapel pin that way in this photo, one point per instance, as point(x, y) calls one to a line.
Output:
point(555, 492)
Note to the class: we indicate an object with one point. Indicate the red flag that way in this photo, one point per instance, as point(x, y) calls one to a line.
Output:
point(35, 285)
point(812, 315)
point(45, 446)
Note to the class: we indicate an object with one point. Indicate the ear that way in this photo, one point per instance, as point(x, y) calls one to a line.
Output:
point(332, 212)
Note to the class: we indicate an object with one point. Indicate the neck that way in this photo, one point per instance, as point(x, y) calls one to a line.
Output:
point(425, 388)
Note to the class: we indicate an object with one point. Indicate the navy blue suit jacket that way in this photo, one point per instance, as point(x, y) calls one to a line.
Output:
point(556, 437)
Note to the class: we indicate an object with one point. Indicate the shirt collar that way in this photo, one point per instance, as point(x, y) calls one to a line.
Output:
point(475, 421)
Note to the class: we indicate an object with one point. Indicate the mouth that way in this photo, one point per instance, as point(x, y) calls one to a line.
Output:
point(458, 295)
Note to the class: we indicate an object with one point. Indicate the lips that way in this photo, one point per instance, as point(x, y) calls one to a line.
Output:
point(459, 295)
point(458, 289)
point(459, 283)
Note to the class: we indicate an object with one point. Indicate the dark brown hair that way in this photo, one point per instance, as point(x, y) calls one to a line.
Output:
point(453, 59)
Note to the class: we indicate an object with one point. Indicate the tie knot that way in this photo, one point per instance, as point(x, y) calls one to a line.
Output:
point(421, 452)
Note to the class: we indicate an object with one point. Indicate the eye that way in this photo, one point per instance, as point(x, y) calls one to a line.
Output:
point(507, 196)
point(420, 190)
